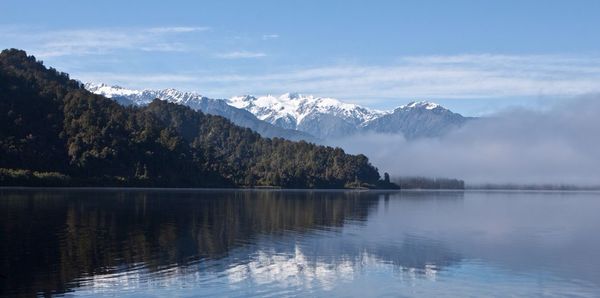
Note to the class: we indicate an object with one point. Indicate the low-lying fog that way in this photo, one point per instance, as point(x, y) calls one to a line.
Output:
point(560, 145)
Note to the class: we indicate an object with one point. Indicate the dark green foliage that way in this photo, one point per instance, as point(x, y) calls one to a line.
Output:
point(32, 178)
point(429, 183)
point(52, 124)
point(386, 183)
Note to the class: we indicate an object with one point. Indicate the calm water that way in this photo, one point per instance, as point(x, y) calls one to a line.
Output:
point(276, 243)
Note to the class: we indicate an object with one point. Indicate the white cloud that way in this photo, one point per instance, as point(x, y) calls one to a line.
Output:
point(471, 76)
point(467, 76)
point(270, 36)
point(464, 76)
point(44, 44)
point(177, 29)
point(241, 55)
point(140, 81)
point(422, 77)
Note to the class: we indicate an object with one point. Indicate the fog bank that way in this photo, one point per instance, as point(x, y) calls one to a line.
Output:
point(559, 146)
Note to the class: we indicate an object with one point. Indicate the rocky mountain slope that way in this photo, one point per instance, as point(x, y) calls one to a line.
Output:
point(198, 102)
point(417, 120)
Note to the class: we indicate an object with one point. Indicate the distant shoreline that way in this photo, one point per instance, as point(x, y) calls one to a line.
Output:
point(183, 189)
point(532, 187)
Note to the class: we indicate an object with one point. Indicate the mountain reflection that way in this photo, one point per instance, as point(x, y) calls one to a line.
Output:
point(318, 243)
point(55, 240)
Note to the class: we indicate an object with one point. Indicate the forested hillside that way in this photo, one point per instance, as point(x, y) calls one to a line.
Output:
point(54, 132)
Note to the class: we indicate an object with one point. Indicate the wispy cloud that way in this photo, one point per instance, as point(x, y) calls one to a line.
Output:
point(79, 42)
point(433, 77)
point(464, 76)
point(177, 29)
point(140, 81)
point(270, 36)
point(241, 55)
point(422, 77)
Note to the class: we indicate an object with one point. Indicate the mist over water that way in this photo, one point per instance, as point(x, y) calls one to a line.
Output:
point(560, 145)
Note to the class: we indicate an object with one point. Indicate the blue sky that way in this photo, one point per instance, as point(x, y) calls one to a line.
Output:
point(474, 57)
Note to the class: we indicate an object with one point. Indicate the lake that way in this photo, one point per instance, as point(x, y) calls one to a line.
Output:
point(165, 243)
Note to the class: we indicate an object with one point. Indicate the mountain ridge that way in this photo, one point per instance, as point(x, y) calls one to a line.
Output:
point(303, 117)
point(197, 102)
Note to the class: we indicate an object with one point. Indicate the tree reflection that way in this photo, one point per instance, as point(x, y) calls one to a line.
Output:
point(51, 238)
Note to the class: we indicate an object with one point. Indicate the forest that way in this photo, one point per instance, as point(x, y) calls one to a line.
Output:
point(56, 133)
point(428, 183)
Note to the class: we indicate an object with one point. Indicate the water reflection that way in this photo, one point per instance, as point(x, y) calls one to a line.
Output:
point(50, 238)
point(238, 243)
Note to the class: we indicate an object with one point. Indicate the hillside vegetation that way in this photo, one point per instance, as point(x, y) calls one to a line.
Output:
point(54, 132)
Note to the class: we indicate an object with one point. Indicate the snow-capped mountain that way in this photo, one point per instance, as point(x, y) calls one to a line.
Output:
point(302, 117)
point(320, 116)
point(417, 119)
point(329, 118)
point(196, 101)
point(293, 108)
point(144, 97)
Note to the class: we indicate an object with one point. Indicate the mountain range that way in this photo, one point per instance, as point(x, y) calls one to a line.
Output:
point(302, 117)
point(198, 102)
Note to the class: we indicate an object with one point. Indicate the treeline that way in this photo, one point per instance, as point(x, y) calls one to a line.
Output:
point(51, 124)
point(428, 183)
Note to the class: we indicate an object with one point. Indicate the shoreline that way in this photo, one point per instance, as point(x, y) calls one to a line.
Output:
point(197, 189)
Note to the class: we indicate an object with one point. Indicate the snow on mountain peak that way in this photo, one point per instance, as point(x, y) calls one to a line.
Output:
point(422, 104)
point(110, 91)
point(291, 108)
point(143, 97)
point(323, 117)
point(295, 107)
